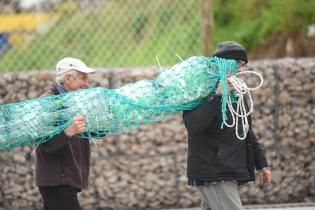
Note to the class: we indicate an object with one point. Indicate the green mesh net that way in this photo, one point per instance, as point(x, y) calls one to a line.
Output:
point(112, 112)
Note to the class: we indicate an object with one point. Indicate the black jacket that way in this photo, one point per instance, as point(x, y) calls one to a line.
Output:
point(216, 154)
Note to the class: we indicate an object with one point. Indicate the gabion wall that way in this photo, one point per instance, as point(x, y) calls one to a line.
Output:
point(146, 169)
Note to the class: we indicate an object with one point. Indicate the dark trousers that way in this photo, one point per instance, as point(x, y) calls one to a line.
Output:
point(60, 198)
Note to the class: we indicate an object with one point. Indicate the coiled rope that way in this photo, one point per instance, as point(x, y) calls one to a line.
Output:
point(242, 90)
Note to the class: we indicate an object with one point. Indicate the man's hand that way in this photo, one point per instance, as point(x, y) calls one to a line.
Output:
point(230, 86)
point(264, 176)
point(77, 126)
point(219, 90)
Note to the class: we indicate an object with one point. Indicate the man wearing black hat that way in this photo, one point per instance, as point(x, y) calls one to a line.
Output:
point(218, 162)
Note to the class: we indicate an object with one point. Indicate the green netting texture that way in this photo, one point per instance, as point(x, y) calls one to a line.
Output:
point(112, 112)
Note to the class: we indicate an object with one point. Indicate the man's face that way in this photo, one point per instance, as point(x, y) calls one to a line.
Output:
point(241, 65)
point(77, 82)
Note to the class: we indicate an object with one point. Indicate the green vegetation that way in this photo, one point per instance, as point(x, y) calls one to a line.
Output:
point(252, 22)
point(131, 33)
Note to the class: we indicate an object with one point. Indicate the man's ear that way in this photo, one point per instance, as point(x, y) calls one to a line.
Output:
point(68, 79)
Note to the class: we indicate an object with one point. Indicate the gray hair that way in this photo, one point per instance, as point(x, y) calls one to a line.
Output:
point(60, 78)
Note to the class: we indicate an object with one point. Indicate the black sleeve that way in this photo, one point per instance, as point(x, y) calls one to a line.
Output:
point(259, 154)
point(199, 119)
point(99, 134)
point(61, 139)
point(55, 143)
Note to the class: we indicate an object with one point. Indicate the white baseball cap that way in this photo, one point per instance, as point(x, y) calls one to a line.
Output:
point(68, 64)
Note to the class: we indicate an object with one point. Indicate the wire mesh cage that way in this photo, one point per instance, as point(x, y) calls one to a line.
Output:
point(107, 33)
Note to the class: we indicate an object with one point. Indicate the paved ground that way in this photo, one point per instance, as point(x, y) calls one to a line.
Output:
point(282, 208)
point(288, 206)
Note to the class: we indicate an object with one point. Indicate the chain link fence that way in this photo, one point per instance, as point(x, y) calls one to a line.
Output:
point(35, 34)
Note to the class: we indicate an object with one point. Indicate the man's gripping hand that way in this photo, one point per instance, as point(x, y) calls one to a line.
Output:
point(77, 126)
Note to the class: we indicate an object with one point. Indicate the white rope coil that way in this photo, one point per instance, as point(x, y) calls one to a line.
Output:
point(242, 90)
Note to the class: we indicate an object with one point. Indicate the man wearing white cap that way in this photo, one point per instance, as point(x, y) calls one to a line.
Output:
point(63, 162)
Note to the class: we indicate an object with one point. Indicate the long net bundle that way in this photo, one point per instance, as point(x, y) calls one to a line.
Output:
point(112, 112)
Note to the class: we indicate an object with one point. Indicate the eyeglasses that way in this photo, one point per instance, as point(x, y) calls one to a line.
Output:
point(241, 64)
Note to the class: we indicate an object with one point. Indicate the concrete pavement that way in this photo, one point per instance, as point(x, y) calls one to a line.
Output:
point(286, 206)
